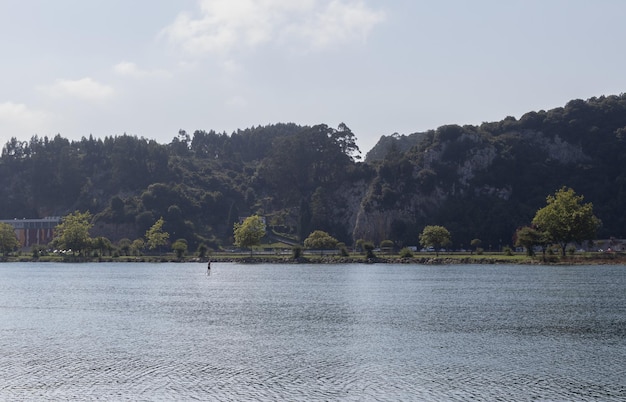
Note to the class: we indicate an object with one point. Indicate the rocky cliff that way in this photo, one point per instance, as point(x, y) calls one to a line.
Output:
point(485, 181)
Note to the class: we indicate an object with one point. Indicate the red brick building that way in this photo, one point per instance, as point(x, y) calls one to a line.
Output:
point(34, 231)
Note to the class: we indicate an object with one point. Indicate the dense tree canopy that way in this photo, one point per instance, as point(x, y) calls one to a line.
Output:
point(156, 237)
point(320, 240)
point(567, 219)
point(73, 232)
point(529, 237)
point(250, 232)
point(435, 236)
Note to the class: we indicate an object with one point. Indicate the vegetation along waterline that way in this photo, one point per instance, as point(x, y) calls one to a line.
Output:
point(565, 219)
point(550, 183)
point(285, 257)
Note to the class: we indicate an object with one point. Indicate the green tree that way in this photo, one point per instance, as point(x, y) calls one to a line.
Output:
point(368, 246)
point(436, 237)
point(387, 246)
point(155, 236)
point(529, 237)
point(137, 246)
point(320, 240)
point(73, 232)
point(180, 248)
point(343, 249)
point(250, 232)
point(8, 239)
point(311, 158)
point(566, 219)
point(359, 244)
point(103, 244)
point(124, 245)
point(202, 250)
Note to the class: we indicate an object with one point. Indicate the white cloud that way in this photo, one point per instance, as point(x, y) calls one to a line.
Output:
point(14, 112)
point(17, 118)
point(227, 25)
point(126, 68)
point(339, 23)
point(84, 89)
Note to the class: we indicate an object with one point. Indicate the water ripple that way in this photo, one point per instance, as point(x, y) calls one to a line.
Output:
point(311, 334)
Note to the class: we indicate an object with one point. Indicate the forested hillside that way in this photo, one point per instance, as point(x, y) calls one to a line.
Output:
point(478, 181)
point(200, 184)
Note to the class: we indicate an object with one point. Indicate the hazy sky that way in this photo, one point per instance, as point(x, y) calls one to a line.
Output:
point(151, 67)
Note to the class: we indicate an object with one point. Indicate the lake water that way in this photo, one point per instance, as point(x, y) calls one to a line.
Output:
point(312, 332)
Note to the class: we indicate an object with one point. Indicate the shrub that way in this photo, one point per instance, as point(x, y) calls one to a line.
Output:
point(406, 253)
point(386, 245)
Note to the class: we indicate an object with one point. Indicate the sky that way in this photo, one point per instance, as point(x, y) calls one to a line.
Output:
point(150, 68)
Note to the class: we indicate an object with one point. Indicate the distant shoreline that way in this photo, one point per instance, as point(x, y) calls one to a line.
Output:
point(595, 259)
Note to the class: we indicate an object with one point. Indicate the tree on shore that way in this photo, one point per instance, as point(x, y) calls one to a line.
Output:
point(180, 248)
point(250, 232)
point(320, 240)
point(368, 246)
point(124, 246)
point(73, 232)
point(566, 219)
point(103, 244)
point(387, 246)
point(8, 239)
point(137, 246)
point(529, 237)
point(435, 236)
point(155, 236)
point(202, 250)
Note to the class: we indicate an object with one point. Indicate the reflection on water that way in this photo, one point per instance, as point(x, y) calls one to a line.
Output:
point(311, 332)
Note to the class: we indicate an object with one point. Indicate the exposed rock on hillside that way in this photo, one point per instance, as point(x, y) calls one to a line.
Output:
point(488, 180)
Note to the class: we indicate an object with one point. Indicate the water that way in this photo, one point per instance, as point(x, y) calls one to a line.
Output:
point(311, 332)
